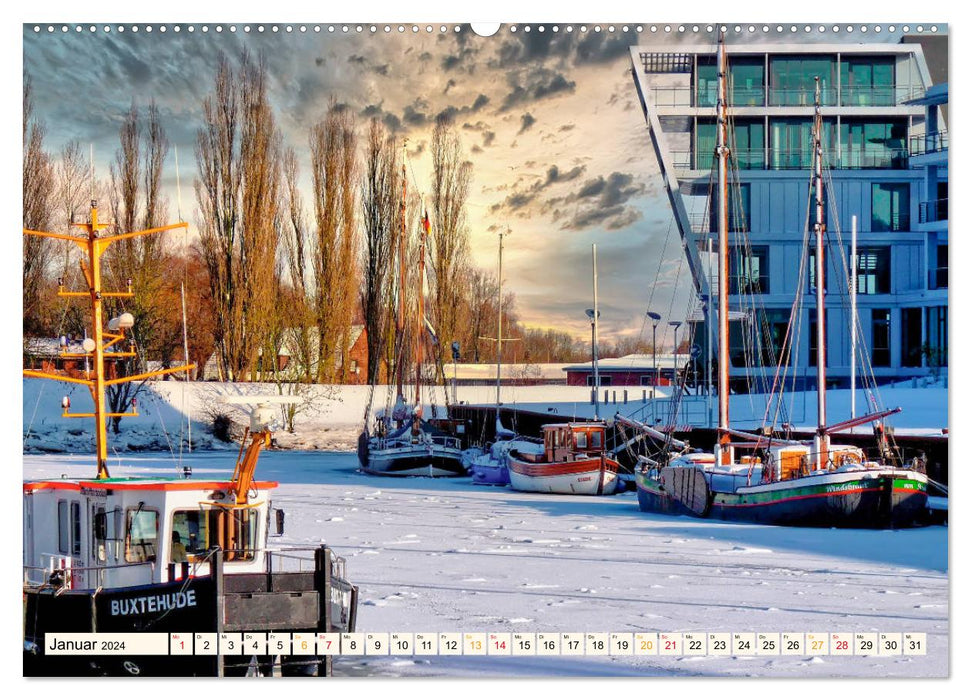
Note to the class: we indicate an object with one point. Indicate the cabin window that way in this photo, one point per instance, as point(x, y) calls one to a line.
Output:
point(99, 533)
point(235, 531)
point(192, 526)
point(63, 533)
point(75, 529)
point(581, 440)
point(141, 538)
point(596, 439)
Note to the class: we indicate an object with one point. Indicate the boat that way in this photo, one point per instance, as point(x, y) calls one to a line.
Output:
point(401, 442)
point(169, 553)
point(781, 481)
point(571, 460)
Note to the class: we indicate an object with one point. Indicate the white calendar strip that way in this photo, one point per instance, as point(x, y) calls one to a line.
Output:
point(491, 644)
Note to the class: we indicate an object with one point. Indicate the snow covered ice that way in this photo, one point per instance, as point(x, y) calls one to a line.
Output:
point(446, 556)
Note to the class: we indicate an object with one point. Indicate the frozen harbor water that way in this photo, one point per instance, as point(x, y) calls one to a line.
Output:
point(447, 556)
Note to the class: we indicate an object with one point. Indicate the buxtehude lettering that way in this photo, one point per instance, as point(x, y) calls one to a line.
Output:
point(153, 603)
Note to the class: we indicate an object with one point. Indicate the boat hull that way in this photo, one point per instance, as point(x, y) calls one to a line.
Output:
point(587, 477)
point(490, 474)
point(867, 499)
point(417, 460)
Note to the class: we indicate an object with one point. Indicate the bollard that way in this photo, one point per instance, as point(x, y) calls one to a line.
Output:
point(625, 397)
point(615, 397)
point(644, 396)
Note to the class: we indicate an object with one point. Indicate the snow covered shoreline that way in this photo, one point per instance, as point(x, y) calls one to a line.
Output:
point(334, 415)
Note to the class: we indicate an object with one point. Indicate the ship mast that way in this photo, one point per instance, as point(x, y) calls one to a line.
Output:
point(420, 334)
point(93, 245)
point(822, 438)
point(724, 452)
point(402, 250)
point(499, 330)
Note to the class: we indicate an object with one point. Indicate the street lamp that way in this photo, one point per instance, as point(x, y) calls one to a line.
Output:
point(676, 325)
point(655, 319)
point(593, 315)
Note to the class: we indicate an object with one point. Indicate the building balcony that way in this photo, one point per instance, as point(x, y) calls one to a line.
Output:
point(937, 278)
point(874, 96)
point(799, 159)
point(934, 142)
point(894, 222)
point(934, 210)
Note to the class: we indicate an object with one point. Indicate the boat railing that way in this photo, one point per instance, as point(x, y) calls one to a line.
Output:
point(61, 572)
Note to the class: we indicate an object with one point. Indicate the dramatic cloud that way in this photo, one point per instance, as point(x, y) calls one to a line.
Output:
point(526, 121)
point(537, 84)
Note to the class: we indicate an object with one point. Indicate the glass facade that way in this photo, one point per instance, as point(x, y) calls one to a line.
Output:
point(880, 337)
point(739, 209)
point(873, 270)
point(746, 140)
point(748, 270)
point(792, 80)
point(791, 143)
point(890, 206)
point(867, 82)
point(910, 337)
point(868, 143)
point(746, 82)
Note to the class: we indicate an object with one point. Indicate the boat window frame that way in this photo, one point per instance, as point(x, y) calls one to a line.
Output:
point(577, 435)
point(77, 544)
point(63, 531)
point(129, 514)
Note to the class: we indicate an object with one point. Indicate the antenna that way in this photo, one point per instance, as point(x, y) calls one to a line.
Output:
point(91, 161)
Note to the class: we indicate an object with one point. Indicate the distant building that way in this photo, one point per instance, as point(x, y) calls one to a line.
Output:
point(287, 366)
point(885, 147)
point(630, 370)
point(471, 374)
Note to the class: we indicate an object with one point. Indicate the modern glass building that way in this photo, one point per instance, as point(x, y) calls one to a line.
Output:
point(886, 158)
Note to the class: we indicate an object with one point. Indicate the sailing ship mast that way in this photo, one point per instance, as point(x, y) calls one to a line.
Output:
point(724, 451)
point(822, 438)
point(93, 245)
point(402, 249)
point(499, 330)
point(420, 334)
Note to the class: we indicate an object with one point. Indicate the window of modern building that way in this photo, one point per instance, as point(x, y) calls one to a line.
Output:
point(938, 272)
point(812, 337)
point(791, 142)
point(867, 81)
point(937, 336)
point(890, 206)
point(746, 78)
point(880, 337)
point(739, 209)
point(777, 325)
point(748, 270)
point(911, 337)
point(746, 139)
point(811, 273)
point(867, 143)
point(873, 270)
point(792, 80)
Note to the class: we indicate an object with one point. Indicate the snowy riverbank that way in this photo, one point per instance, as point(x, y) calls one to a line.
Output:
point(333, 415)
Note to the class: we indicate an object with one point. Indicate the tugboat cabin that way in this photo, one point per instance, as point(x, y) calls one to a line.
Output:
point(119, 532)
point(566, 442)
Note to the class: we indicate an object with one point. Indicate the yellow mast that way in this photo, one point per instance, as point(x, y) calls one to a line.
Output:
point(93, 245)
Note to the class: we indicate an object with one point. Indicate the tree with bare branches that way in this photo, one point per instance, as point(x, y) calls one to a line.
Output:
point(238, 152)
point(451, 179)
point(333, 157)
point(381, 222)
point(39, 203)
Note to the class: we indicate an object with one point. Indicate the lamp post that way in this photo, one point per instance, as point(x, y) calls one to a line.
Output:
point(676, 325)
point(655, 319)
point(592, 315)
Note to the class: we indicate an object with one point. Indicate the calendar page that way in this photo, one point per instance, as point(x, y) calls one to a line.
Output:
point(438, 349)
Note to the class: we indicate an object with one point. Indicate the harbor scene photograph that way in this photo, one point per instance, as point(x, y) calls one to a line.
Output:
point(600, 350)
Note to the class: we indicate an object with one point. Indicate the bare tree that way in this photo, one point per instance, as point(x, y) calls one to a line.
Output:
point(238, 152)
point(381, 222)
point(333, 146)
point(479, 303)
point(451, 178)
point(136, 202)
point(38, 186)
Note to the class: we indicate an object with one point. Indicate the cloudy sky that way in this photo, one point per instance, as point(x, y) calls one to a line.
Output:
point(549, 120)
